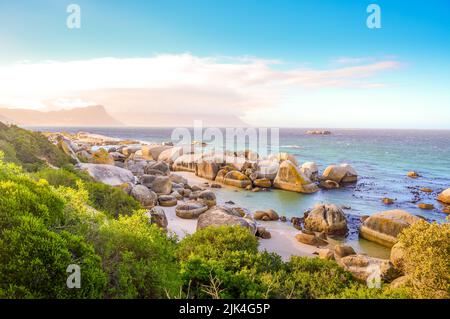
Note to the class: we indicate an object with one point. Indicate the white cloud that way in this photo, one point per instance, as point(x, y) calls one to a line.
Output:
point(173, 83)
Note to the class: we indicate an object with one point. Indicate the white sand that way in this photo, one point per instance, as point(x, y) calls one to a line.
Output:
point(283, 240)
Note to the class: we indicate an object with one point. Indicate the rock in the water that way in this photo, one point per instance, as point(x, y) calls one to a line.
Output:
point(265, 215)
point(310, 170)
point(413, 174)
point(364, 267)
point(342, 250)
point(237, 179)
point(384, 227)
point(190, 210)
point(425, 206)
point(158, 216)
point(162, 185)
point(444, 197)
point(262, 233)
point(329, 184)
point(207, 169)
point(310, 238)
point(207, 198)
point(290, 178)
point(387, 201)
point(167, 200)
point(327, 218)
point(426, 190)
point(108, 174)
point(262, 182)
point(343, 173)
point(219, 217)
point(146, 197)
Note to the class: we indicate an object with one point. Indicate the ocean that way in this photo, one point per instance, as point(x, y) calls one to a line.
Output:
point(381, 157)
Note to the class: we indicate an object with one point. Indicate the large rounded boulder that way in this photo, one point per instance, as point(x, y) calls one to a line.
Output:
point(343, 173)
point(237, 179)
point(327, 218)
point(146, 197)
point(384, 227)
point(290, 178)
point(108, 174)
point(220, 217)
point(162, 185)
point(444, 197)
point(207, 169)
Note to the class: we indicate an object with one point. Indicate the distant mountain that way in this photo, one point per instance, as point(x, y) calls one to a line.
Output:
point(83, 116)
point(179, 120)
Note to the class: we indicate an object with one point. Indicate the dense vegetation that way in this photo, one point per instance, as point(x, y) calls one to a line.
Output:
point(52, 218)
point(29, 149)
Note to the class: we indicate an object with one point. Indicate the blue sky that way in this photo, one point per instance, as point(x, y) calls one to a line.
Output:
point(299, 35)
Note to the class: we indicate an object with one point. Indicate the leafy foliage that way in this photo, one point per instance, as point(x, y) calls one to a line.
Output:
point(427, 259)
point(30, 149)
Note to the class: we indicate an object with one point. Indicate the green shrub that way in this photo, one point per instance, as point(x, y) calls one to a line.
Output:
point(427, 259)
point(111, 200)
point(139, 258)
point(30, 149)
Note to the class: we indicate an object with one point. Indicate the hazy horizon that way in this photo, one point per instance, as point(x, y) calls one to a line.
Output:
point(292, 65)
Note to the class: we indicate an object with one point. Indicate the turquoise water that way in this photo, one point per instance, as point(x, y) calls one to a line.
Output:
point(381, 157)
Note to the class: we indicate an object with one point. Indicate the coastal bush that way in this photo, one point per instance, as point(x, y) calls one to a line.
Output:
point(139, 258)
point(35, 250)
point(111, 200)
point(102, 156)
point(427, 259)
point(30, 149)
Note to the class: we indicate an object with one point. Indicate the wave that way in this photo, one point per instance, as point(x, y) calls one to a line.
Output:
point(290, 146)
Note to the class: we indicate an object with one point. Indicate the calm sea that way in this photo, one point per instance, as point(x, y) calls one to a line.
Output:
point(381, 157)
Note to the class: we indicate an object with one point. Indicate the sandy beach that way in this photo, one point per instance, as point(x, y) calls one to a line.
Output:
point(283, 240)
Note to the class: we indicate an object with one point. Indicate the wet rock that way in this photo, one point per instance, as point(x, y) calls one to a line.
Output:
point(413, 174)
point(343, 173)
point(237, 179)
point(444, 197)
point(329, 184)
point(426, 206)
point(262, 182)
point(426, 190)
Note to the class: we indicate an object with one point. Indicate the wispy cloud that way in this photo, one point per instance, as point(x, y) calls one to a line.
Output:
point(176, 83)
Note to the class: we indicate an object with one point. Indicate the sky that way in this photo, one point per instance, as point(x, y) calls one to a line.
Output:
point(272, 63)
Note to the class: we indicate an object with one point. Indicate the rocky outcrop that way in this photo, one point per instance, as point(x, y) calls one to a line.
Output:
point(290, 178)
point(318, 132)
point(190, 210)
point(266, 169)
point(343, 173)
point(262, 182)
point(444, 197)
point(237, 179)
point(384, 227)
point(108, 174)
point(146, 197)
point(327, 218)
point(207, 169)
point(310, 170)
point(220, 217)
